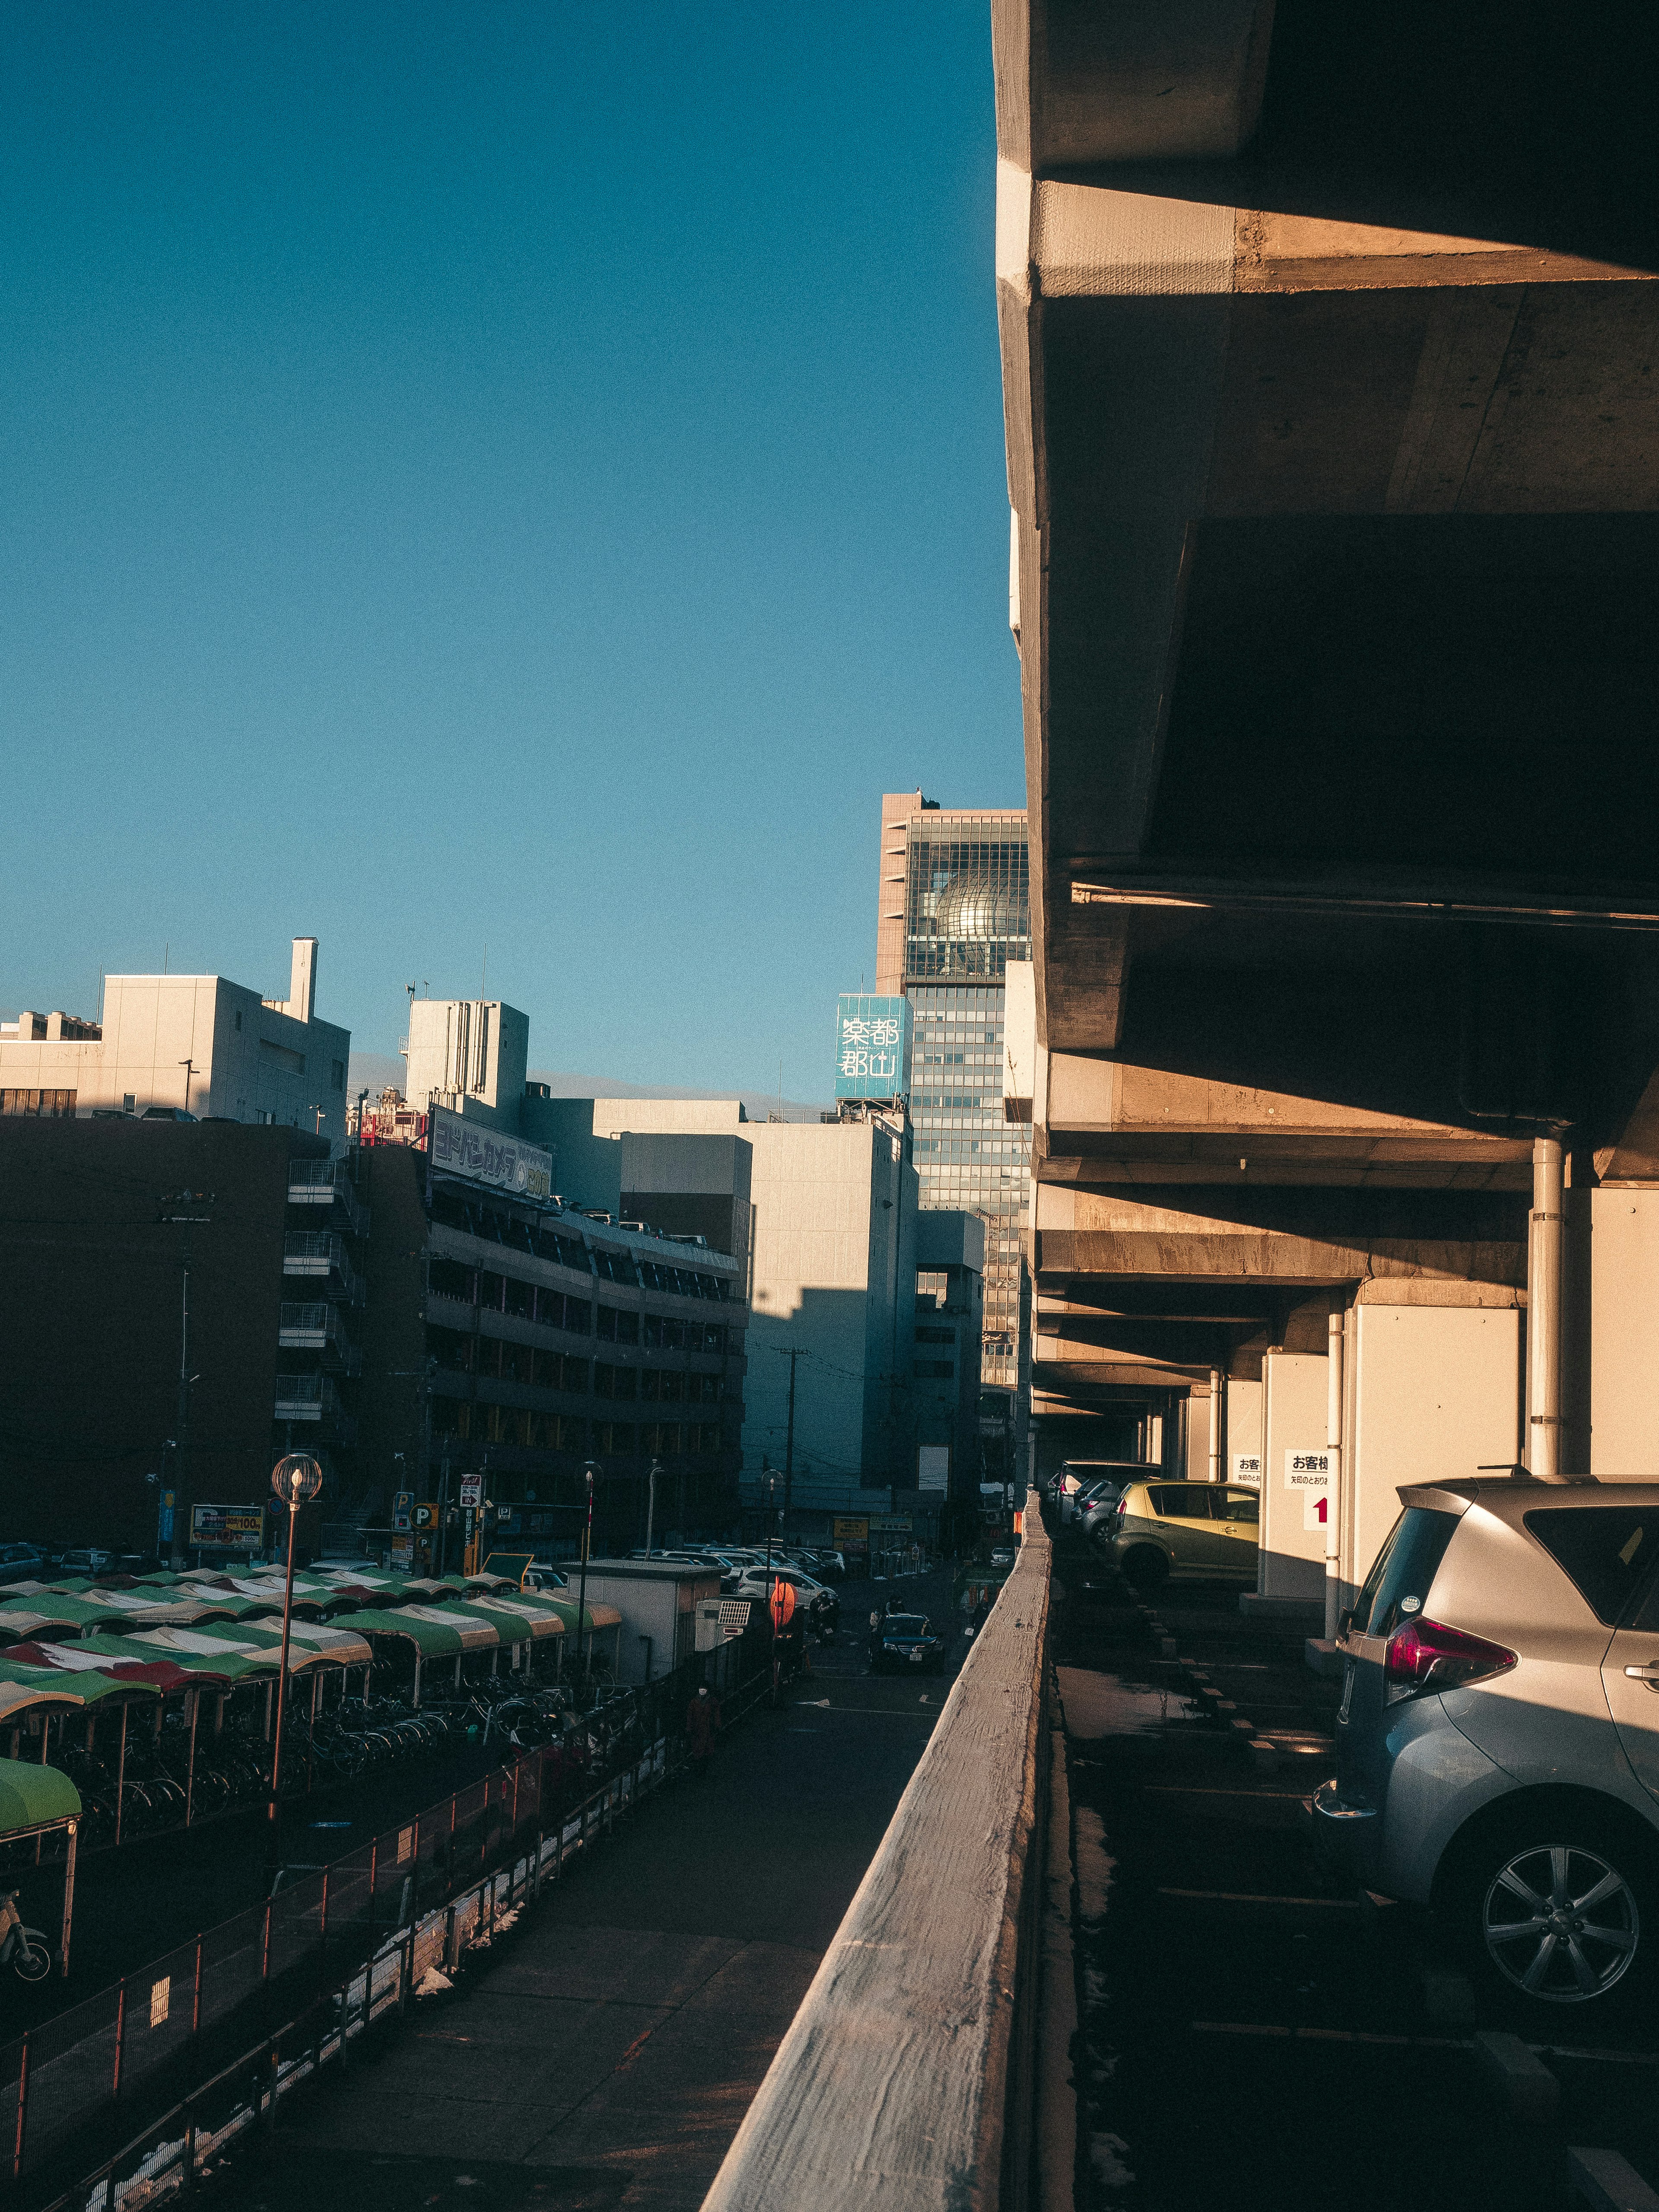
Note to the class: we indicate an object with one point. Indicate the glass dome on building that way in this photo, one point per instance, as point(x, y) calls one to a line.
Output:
point(977, 907)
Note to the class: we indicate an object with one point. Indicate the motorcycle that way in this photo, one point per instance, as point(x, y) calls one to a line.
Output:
point(24, 1948)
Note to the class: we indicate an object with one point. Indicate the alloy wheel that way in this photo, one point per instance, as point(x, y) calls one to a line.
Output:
point(1561, 1922)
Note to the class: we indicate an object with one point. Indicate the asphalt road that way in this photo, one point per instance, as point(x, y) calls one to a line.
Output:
point(605, 2054)
point(1252, 2032)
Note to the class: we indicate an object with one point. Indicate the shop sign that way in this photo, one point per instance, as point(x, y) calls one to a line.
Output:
point(466, 1148)
point(228, 1527)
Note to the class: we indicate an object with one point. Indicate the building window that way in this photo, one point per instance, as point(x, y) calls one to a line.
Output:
point(936, 1370)
point(239, 1021)
point(573, 1433)
point(447, 1279)
point(41, 1105)
point(339, 1065)
point(936, 1336)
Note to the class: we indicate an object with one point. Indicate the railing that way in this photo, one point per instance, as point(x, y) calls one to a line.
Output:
point(907, 2076)
point(305, 1397)
point(326, 1183)
point(317, 1327)
point(321, 1252)
point(291, 1983)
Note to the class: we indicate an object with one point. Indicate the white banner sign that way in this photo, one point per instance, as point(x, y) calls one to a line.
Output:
point(467, 1148)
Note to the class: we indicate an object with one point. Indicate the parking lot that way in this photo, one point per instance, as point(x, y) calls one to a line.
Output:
point(1251, 2031)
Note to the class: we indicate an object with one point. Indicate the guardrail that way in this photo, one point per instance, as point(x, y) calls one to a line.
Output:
point(414, 1900)
point(908, 2075)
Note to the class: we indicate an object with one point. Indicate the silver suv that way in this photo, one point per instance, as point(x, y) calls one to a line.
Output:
point(1497, 1742)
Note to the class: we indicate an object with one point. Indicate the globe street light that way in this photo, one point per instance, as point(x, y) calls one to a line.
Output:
point(296, 1480)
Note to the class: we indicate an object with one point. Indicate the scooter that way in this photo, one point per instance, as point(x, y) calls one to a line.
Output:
point(24, 1949)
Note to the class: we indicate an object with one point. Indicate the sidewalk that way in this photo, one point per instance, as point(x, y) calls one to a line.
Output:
point(609, 2056)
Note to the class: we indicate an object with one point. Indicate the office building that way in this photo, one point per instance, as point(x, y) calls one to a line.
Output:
point(181, 1301)
point(197, 1044)
point(949, 1299)
point(953, 911)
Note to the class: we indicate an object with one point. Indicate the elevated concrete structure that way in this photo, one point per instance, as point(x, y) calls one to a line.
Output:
point(1334, 460)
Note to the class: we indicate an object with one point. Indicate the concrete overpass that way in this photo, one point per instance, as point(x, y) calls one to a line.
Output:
point(1331, 371)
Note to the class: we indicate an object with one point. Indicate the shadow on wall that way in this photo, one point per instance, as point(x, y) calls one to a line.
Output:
point(854, 1392)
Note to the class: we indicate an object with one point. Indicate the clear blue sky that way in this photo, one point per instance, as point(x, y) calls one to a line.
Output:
point(521, 475)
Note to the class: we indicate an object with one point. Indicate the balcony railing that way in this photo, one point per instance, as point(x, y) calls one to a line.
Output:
point(327, 1182)
point(317, 1327)
point(305, 1397)
point(321, 1253)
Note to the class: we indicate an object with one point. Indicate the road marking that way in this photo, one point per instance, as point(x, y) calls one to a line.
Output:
point(1325, 2034)
point(1250, 1897)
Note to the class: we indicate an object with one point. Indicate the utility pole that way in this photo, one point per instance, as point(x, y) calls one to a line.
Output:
point(791, 1352)
point(189, 1066)
point(173, 1204)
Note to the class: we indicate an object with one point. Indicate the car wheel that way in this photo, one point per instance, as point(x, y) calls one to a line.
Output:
point(1557, 1906)
point(1147, 1568)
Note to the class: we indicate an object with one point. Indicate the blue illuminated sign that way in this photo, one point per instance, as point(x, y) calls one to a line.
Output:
point(872, 1046)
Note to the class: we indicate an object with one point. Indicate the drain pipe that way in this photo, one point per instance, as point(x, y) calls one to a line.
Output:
point(1543, 1441)
point(1215, 1425)
point(1334, 1342)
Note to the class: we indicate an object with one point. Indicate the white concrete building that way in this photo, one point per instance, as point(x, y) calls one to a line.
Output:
point(469, 1054)
point(200, 1043)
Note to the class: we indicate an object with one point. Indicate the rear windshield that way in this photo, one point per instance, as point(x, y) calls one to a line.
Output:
point(1181, 1501)
point(1398, 1583)
point(1606, 1550)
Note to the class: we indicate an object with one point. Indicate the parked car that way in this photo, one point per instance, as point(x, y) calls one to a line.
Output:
point(87, 1559)
point(1097, 1515)
point(543, 1577)
point(904, 1641)
point(821, 1607)
point(1194, 1531)
point(1497, 1742)
point(1081, 1477)
point(21, 1563)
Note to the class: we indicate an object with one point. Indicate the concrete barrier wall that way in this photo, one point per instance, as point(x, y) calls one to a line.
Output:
point(906, 2077)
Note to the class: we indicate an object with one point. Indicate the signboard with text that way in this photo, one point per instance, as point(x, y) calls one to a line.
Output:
point(872, 1046)
point(1308, 1472)
point(1247, 1470)
point(228, 1528)
point(467, 1148)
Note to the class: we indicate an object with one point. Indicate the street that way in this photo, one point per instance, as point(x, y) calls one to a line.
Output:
point(607, 2055)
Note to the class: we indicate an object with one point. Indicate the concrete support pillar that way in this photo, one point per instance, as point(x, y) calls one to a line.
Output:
point(1543, 1439)
point(1334, 1492)
point(1217, 1383)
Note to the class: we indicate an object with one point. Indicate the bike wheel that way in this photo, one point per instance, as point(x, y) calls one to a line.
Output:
point(31, 1959)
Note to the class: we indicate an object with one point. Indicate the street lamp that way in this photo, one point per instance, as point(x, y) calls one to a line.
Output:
point(589, 1471)
point(296, 1480)
point(651, 1503)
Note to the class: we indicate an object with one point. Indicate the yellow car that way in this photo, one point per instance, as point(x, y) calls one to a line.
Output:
point(1194, 1531)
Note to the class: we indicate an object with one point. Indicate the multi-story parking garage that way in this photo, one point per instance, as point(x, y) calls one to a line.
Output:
point(1333, 441)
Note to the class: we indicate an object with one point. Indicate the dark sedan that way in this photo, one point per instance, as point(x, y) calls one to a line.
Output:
point(906, 1640)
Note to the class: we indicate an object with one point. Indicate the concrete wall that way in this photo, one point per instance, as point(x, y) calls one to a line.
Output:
point(833, 1270)
point(612, 1115)
point(586, 1165)
point(1291, 1562)
point(1243, 1427)
point(1624, 1286)
point(1431, 1391)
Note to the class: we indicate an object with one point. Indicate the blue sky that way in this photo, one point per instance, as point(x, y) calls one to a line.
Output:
point(514, 476)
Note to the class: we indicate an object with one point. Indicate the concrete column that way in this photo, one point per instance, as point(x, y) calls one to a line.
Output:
point(1543, 1439)
point(1334, 1494)
point(1217, 1386)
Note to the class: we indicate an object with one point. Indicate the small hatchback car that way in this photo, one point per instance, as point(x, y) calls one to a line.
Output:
point(1497, 1742)
point(1195, 1531)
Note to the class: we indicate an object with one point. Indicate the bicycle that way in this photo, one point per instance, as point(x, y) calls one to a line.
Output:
point(23, 1950)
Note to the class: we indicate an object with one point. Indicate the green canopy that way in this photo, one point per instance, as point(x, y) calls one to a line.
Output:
point(22, 1687)
point(34, 1797)
point(432, 1639)
point(569, 1611)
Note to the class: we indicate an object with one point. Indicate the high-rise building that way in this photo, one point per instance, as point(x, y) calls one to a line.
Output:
point(953, 911)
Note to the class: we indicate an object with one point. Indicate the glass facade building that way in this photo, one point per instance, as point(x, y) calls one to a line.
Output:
point(956, 886)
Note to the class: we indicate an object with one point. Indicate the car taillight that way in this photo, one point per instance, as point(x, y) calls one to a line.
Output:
point(1425, 1655)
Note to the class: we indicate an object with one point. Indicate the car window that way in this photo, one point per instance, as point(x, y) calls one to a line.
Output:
point(905, 1624)
point(1605, 1551)
point(1398, 1581)
point(1180, 1501)
point(1238, 1505)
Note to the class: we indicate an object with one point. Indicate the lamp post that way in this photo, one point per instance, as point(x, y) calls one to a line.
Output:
point(296, 1480)
point(771, 1587)
point(651, 1503)
point(589, 1472)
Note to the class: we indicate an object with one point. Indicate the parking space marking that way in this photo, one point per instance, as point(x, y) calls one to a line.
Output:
point(1252, 1897)
point(1325, 2034)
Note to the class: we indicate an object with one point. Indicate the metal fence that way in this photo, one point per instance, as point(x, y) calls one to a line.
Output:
point(117, 2089)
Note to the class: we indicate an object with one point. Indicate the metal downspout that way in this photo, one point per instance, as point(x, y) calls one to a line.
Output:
point(1542, 1444)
